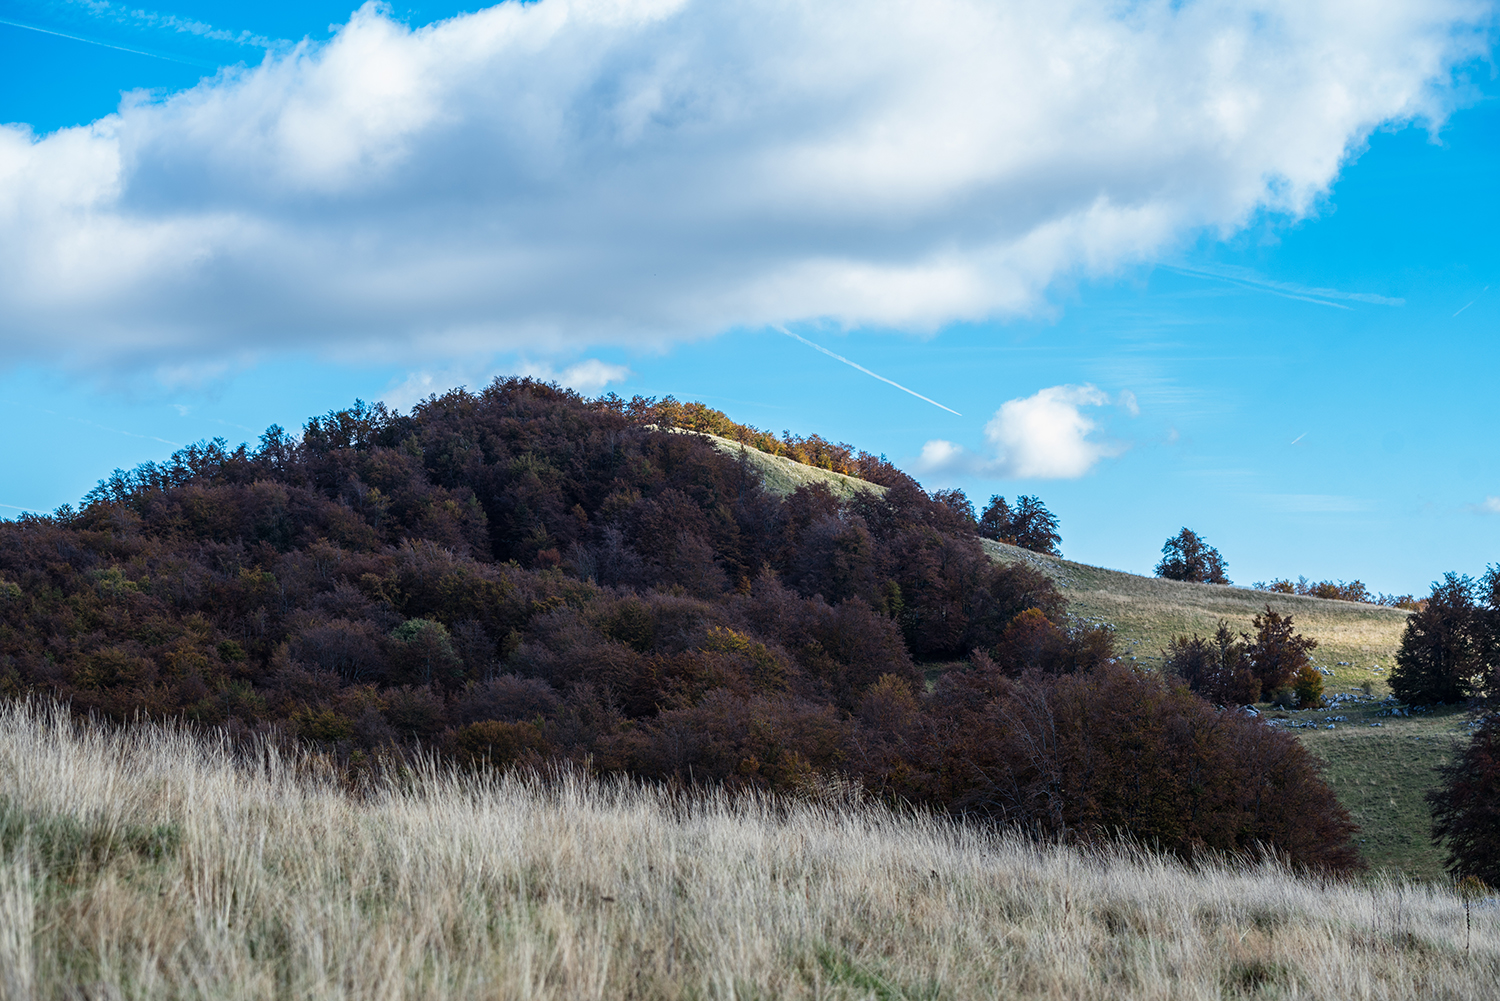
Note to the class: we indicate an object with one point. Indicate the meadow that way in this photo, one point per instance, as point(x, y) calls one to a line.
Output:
point(151, 863)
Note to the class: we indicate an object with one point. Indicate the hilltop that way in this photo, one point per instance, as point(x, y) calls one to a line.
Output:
point(523, 576)
point(782, 475)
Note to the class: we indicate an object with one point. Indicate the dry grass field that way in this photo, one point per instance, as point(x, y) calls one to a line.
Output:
point(148, 864)
point(1353, 638)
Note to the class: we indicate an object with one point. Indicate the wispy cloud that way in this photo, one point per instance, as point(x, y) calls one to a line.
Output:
point(1490, 505)
point(1317, 503)
point(103, 10)
point(1245, 278)
point(1044, 436)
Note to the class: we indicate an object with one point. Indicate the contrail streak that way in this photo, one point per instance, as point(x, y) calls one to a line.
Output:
point(1299, 437)
point(846, 361)
point(1471, 301)
point(107, 45)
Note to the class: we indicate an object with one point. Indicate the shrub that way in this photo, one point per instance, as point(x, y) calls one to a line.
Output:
point(1114, 750)
point(1277, 653)
point(1308, 684)
point(497, 743)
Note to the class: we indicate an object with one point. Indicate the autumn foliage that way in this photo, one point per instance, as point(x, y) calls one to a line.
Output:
point(522, 575)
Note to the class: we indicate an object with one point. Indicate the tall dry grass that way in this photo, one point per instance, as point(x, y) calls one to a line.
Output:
point(151, 864)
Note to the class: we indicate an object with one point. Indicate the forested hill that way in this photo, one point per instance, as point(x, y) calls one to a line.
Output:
point(522, 574)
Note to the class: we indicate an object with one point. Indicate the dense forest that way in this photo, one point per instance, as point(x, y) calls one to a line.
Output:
point(523, 575)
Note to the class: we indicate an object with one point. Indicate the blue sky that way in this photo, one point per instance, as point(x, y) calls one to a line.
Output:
point(1162, 285)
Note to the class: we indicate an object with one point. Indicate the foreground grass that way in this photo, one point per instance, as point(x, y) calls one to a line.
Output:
point(152, 865)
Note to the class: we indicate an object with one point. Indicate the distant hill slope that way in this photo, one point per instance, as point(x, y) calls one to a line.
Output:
point(1353, 638)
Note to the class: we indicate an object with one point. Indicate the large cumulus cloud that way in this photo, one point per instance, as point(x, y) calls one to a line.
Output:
point(575, 172)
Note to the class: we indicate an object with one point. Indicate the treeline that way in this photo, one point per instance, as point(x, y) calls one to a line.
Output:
point(523, 575)
point(811, 450)
point(1353, 590)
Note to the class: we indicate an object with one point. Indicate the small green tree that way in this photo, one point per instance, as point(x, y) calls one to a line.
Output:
point(1443, 649)
point(1187, 557)
point(1029, 524)
point(423, 653)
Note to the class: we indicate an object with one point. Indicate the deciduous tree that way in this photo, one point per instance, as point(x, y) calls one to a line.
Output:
point(1187, 557)
point(1029, 524)
point(1278, 654)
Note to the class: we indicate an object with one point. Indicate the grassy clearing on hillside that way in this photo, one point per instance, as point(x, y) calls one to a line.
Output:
point(782, 476)
point(266, 879)
point(1381, 776)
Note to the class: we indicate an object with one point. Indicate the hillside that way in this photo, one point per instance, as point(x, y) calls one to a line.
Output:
point(525, 576)
point(1380, 765)
point(144, 863)
point(1357, 642)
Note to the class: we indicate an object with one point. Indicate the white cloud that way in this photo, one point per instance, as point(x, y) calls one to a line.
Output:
point(1490, 505)
point(548, 175)
point(588, 376)
point(1044, 436)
